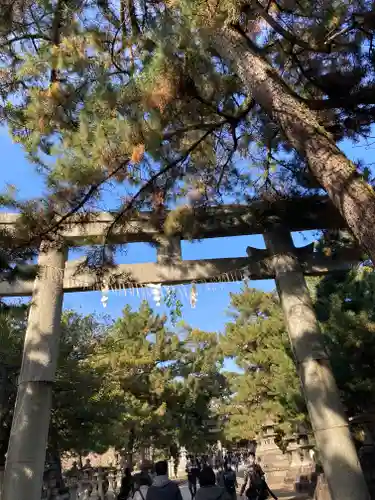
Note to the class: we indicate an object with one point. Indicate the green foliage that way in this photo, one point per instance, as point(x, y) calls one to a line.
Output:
point(204, 385)
point(83, 410)
point(12, 327)
point(267, 386)
point(133, 359)
point(165, 384)
point(174, 305)
point(345, 308)
point(126, 384)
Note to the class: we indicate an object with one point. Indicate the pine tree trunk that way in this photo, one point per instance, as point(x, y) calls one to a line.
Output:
point(130, 450)
point(333, 438)
point(54, 455)
point(353, 197)
point(4, 412)
point(28, 440)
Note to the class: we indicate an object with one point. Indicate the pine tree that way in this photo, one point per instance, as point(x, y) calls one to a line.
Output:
point(268, 385)
point(203, 386)
point(165, 383)
point(12, 328)
point(345, 308)
point(85, 425)
point(77, 427)
point(139, 95)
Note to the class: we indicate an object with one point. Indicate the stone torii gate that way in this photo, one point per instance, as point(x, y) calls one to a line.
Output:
point(281, 260)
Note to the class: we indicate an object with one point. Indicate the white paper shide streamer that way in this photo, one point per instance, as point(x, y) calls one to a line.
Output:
point(193, 295)
point(105, 290)
point(156, 293)
point(156, 289)
point(246, 276)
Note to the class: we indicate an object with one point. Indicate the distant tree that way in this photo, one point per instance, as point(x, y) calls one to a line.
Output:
point(203, 385)
point(166, 383)
point(345, 307)
point(12, 330)
point(267, 385)
point(82, 410)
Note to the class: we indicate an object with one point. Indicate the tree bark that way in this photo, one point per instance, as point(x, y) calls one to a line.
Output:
point(130, 450)
point(54, 455)
point(333, 438)
point(353, 197)
point(28, 440)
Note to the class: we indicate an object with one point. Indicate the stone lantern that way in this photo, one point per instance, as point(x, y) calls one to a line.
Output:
point(273, 461)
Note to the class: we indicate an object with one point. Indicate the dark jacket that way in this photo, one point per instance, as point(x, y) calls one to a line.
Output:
point(253, 478)
point(212, 493)
point(126, 488)
point(163, 489)
point(230, 481)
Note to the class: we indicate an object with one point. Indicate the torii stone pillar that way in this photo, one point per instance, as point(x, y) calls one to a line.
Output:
point(333, 438)
point(28, 440)
point(168, 250)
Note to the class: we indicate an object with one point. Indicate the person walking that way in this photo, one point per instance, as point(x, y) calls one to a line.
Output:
point(162, 487)
point(142, 477)
point(208, 488)
point(192, 470)
point(143, 485)
point(126, 485)
point(255, 485)
point(219, 476)
point(230, 481)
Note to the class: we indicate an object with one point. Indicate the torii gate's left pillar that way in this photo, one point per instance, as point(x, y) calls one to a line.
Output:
point(28, 440)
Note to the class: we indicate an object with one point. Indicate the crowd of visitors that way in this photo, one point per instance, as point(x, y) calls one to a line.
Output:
point(220, 486)
point(142, 486)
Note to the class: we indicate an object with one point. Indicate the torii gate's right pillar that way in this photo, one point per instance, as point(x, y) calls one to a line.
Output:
point(339, 457)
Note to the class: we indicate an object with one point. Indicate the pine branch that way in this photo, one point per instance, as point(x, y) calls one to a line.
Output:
point(231, 119)
point(229, 158)
point(30, 36)
point(56, 225)
point(55, 34)
point(192, 127)
point(326, 48)
point(130, 205)
point(364, 96)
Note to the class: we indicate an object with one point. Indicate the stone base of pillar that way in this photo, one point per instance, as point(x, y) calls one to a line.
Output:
point(321, 490)
point(367, 458)
point(301, 479)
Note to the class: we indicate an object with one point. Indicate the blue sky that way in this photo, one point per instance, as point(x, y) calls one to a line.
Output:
point(210, 312)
